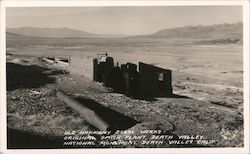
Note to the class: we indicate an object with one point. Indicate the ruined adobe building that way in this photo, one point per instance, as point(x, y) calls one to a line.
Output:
point(145, 80)
point(148, 81)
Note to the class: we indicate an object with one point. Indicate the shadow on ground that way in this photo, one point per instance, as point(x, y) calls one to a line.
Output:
point(17, 139)
point(148, 98)
point(20, 76)
point(176, 96)
point(115, 119)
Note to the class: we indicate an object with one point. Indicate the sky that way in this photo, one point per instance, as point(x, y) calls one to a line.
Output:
point(126, 20)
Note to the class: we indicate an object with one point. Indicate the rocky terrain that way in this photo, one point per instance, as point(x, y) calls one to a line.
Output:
point(35, 112)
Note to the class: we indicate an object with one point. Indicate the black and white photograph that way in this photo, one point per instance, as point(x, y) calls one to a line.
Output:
point(125, 77)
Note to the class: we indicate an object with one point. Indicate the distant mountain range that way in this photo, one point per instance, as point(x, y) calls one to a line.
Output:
point(54, 33)
point(219, 31)
point(11, 35)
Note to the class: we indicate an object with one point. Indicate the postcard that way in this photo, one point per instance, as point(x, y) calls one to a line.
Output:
point(125, 76)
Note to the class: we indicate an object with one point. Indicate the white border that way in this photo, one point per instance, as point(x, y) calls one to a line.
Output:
point(3, 109)
point(246, 55)
point(63, 3)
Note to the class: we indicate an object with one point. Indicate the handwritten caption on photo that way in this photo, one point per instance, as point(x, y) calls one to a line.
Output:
point(125, 138)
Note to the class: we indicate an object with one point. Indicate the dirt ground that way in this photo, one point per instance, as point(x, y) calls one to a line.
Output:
point(33, 108)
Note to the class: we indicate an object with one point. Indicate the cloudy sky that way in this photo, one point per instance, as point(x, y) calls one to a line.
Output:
point(133, 20)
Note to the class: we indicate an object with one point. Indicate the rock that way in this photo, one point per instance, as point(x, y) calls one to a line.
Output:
point(35, 92)
point(14, 98)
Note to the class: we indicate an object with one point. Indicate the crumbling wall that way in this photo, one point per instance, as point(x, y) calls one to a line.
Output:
point(147, 84)
point(81, 65)
point(154, 80)
point(149, 81)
